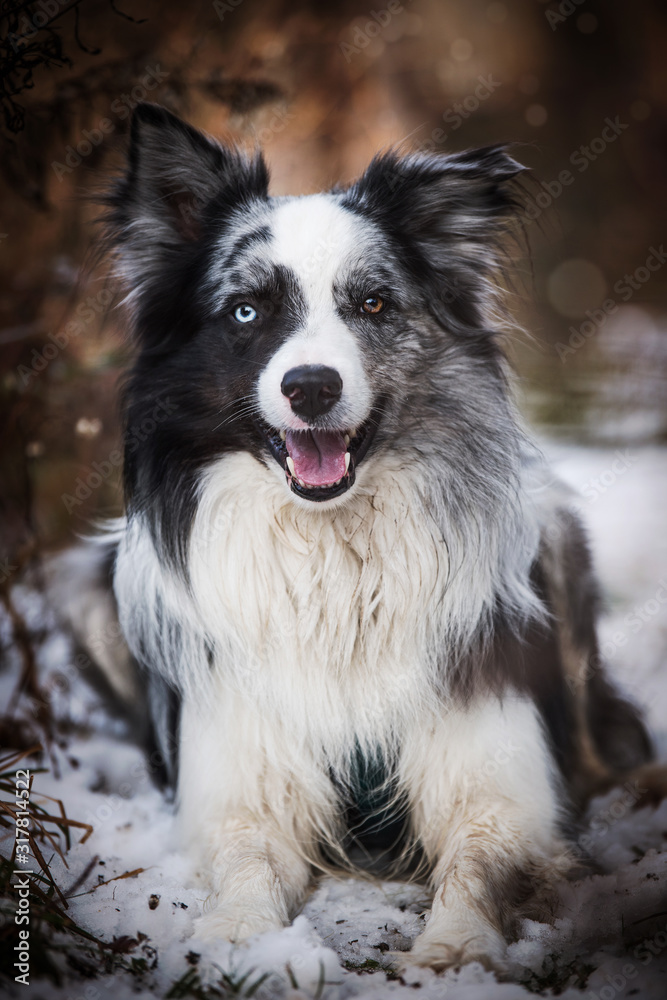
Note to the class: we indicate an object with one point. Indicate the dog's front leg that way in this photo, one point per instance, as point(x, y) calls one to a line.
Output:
point(257, 880)
point(244, 817)
point(482, 788)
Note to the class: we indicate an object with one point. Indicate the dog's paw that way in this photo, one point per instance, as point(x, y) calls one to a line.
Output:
point(232, 922)
point(440, 952)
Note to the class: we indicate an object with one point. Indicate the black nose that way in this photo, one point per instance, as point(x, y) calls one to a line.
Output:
point(311, 389)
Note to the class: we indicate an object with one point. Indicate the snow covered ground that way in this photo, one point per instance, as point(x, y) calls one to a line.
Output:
point(610, 938)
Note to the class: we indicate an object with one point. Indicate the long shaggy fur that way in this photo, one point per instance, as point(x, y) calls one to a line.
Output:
point(410, 641)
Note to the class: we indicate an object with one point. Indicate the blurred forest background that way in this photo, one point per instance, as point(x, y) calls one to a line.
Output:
point(580, 84)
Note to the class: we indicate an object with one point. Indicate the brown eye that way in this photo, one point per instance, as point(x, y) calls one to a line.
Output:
point(373, 305)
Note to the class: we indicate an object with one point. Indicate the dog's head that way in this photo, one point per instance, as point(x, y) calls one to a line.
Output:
point(307, 330)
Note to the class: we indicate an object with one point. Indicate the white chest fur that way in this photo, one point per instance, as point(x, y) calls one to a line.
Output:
point(335, 621)
point(323, 615)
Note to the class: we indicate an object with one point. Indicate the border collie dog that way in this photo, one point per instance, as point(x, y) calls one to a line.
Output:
point(360, 601)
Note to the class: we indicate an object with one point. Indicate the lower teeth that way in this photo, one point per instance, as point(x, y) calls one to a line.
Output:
point(308, 486)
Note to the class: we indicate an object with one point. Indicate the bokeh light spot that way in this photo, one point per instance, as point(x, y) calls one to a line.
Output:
point(88, 428)
point(461, 49)
point(536, 114)
point(574, 286)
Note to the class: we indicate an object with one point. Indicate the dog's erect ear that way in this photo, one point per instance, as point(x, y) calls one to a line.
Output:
point(175, 177)
point(462, 195)
point(450, 210)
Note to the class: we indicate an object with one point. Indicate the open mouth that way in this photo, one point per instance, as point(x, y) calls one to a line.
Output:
point(321, 465)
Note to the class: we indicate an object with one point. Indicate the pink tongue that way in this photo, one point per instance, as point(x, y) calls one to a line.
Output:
point(318, 456)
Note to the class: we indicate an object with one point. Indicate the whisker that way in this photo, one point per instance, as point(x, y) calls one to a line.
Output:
point(249, 410)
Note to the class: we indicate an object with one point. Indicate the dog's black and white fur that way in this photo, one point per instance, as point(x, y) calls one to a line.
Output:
point(343, 565)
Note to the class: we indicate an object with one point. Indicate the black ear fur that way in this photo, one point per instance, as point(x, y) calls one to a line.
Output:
point(448, 215)
point(458, 194)
point(176, 179)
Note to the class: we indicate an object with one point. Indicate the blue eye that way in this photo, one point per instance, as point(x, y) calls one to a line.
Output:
point(245, 313)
